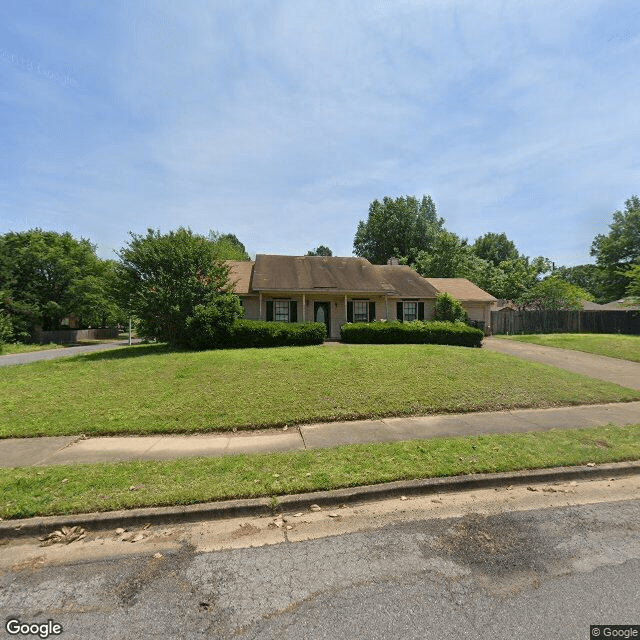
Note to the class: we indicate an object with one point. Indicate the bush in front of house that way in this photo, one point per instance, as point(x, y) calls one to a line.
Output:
point(448, 309)
point(259, 333)
point(417, 332)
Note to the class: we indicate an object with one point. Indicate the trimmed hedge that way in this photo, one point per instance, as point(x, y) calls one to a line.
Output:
point(417, 332)
point(258, 333)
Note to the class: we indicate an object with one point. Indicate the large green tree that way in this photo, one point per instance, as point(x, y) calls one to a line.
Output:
point(619, 250)
point(452, 257)
point(178, 288)
point(495, 248)
point(320, 250)
point(46, 276)
point(589, 277)
point(399, 227)
point(228, 247)
point(554, 294)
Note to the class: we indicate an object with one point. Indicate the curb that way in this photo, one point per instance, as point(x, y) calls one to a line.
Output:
point(38, 526)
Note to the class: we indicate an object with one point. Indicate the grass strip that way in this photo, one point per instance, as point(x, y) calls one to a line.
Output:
point(149, 389)
point(614, 345)
point(11, 348)
point(31, 491)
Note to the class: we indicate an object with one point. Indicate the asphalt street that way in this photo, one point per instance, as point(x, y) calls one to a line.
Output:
point(537, 573)
point(52, 354)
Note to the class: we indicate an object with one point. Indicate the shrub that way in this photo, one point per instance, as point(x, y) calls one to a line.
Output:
point(434, 332)
point(259, 333)
point(177, 288)
point(448, 309)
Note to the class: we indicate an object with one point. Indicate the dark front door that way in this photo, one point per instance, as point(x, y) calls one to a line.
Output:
point(322, 313)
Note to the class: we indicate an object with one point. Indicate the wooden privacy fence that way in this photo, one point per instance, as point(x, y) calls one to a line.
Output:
point(67, 336)
point(508, 321)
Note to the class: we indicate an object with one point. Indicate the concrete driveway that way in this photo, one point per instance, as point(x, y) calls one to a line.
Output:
point(50, 354)
point(622, 372)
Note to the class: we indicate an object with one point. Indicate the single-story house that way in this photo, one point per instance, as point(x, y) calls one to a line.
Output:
point(336, 290)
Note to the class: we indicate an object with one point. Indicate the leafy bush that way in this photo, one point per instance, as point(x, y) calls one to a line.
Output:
point(259, 333)
point(245, 334)
point(211, 324)
point(448, 309)
point(177, 287)
point(417, 332)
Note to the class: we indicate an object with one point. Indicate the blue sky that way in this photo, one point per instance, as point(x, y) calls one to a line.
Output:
point(280, 121)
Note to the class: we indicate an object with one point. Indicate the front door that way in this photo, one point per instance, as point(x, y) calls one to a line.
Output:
point(321, 313)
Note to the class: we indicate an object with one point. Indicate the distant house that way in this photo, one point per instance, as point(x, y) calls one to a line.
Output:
point(336, 290)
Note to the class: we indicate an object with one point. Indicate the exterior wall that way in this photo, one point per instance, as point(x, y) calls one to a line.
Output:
point(476, 310)
point(251, 306)
point(479, 311)
point(338, 312)
point(393, 307)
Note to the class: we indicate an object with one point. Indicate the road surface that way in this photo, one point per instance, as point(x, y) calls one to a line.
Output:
point(537, 562)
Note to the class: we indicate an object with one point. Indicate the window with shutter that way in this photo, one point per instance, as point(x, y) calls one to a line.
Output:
point(281, 310)
point(361, 311)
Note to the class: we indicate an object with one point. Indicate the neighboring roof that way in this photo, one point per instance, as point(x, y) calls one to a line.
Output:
point(461, 289)
point(240, 275)
point(621, 305)
point(587, 305)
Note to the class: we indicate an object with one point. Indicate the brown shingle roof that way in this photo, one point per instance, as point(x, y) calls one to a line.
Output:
point(344, 275)
point(240, 275)
point(404, 281)
point(315, 273)
point(461, 289)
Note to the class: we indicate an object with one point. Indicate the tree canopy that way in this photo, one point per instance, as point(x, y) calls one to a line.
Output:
point(228, 247)
point(618, 251)
point(177, 286)
point(554, 294)
point(320, 250)
point(46, 276)
point(495, 248)
point(397, 227)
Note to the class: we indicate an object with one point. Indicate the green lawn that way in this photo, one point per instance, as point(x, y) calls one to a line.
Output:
point(149, 389)
point(18, 347)
point(30, 491)
point(614, 345)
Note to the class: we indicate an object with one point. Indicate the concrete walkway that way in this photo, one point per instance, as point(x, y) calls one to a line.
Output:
point(51, 354)
point(73, 450)
point(622, 372)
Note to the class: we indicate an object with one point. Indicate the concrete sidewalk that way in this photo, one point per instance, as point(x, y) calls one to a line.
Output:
point(73, 450)
point(622, 372)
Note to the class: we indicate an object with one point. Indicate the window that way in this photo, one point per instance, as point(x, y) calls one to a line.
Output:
point(410, 311)
point(360, 311)
point(281, 310)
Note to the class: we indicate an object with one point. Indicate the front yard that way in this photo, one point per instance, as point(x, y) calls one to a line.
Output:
point(614, 345)
point(150, 389)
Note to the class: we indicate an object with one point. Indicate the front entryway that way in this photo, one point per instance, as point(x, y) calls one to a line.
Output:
point(322, 313)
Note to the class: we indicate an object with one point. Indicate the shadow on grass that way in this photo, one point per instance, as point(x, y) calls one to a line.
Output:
point(135, 351)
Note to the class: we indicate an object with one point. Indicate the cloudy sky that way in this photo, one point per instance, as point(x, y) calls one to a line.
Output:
point(280, 121)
